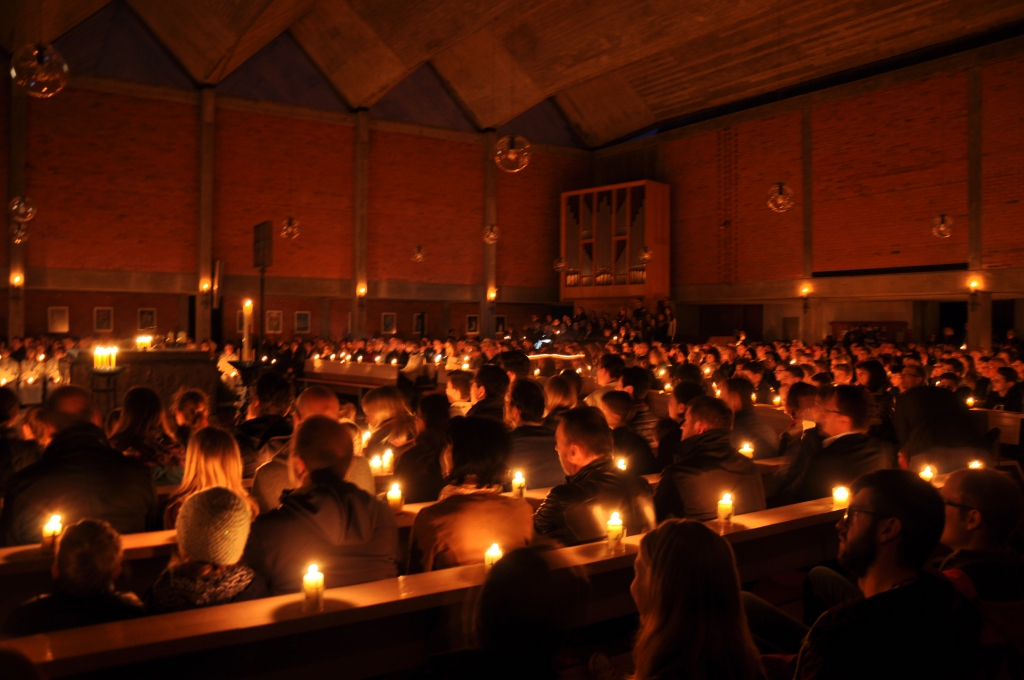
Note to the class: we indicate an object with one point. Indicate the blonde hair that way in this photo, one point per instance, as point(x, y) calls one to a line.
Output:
point(558, 393)
point(212, 459)
point(382, 404)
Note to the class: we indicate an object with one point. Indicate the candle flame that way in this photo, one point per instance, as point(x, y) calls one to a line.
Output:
point(518, 476)
point(395, 488)
point(55, 519)
point(727, 498)
point(976, 465)
point(621, 463)
point(841, 493)
point(312, 569)
point(615, 518)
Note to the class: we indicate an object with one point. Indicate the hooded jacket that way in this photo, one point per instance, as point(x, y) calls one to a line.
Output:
point(349, 534)
point(707, 466)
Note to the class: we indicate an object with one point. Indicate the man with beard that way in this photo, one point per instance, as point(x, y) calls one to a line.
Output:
point(904, 621)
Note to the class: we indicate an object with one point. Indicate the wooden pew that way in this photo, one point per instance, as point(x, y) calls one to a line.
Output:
point(387, 626)
point(1007, 422)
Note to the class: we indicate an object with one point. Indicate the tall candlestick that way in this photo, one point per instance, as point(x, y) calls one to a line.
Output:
point(247, 321)
point(492, 555)
point(51, 530)
point(395, 498)
point(313, 590)
point(725, 508)
point(518, 485)
point(113, 357)
point(616, 532)
point(840, 498)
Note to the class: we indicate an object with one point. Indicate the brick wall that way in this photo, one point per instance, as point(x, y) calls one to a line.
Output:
point(1003, 163)
point(82, 304)
point(288, 306)
point(5, 145)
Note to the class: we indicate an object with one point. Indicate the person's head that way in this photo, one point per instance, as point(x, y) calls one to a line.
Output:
point(895, 516)
point(752, 371)
point(191, 408)
point(871, 375)
point(316, 400)
point(736, 393)
point(637, 382)
point(142, 415)
point(458, 387)
point(88, 558)
point(705, 414)
point(618, 408)
point(687, 591)
point(212, 459)
point(274, 395)
point(558, 394)
point(911, 376)
point(983, 508)
point(432, 414)
point(490, 382)
point(480, 448)
point(1003, 378)
point(802, 401)
point(609, 369)
point(515, 364)
point(948, 381)
point(847, 408)
point(582, 437)
point(320, 443)
point(574, 379)
point(383, 404)
point(682, 394)
point(213, 526)
point(69, 405)
point(525, 404)
point(842, 373)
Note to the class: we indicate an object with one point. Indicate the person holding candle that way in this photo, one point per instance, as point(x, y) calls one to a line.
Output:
point(472, 514)
point(935, 427)
point(533, 444)
point(617, 408)
point(748, 424)
point(419, 468)
point(391, 424)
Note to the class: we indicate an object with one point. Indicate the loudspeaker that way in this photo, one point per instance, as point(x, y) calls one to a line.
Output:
point(263, 245)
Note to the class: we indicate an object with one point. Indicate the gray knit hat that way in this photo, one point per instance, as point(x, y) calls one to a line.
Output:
point(213, 526)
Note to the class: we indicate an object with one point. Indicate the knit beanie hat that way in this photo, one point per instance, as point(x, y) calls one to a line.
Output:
point(213, 526)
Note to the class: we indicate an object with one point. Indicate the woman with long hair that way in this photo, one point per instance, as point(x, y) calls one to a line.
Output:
point(692, 623)
point(211, 459)
point(391, 424)
point(559, 397)
point(143, 432)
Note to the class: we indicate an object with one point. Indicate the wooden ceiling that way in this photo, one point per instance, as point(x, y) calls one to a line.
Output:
point(613, 66)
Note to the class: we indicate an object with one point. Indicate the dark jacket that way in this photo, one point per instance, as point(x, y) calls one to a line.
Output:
point(15, 454)
point(79, 476)
point(260, 439)
point(578, 510)
point(926, 418)
point(994, 576)
point(636, 451)
point(645, 423)
point(748, 426)
point(419, 469)
point(1012, 402)
point(822, 467)
point(533, 452)
point(491, 407)
point(706, 467)
point(668, 445)
point(348, 533)
point(191, 585)
point(60, 611)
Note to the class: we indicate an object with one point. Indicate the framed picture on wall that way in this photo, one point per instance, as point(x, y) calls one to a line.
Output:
point(57, 320)
point(499, 324)
point(147, 318)
point(275, 321)
point(419, 323)
point(388, 323)
point(472, 324)
point(102, 319)
point(303, 322)
point(240, 322)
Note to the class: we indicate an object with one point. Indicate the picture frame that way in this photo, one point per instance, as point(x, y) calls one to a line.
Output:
point(388, 323)
point(419, 323)
point(500, 324)
point(275, 321)
point(303, 322)
point(472, 324)
point(57, 320)
point(147, 318)
point(102, 319)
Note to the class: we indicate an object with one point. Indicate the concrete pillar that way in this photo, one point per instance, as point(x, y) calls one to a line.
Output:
point(490, 250)
point(16, 277)
point(204, 297)
point(979, 321)
point(360, 221)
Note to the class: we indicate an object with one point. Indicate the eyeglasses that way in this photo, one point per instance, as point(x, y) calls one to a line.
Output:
point(851, 512)
point(960, 505)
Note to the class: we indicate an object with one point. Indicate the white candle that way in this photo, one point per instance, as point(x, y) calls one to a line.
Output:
point(395, 498)
point(465, 367)
point(313, 590)
point(747, 450)
point(388, 461)
point(366, 437)
point(976, 465)
point(970, 402)
point(113, 357)
point(616, 531)
point(376, 467)
point(621, 463)
point(51, 530)
point(492, 555)
point(777, 400)
point(725, 508)
point(518, 485)
point(668, 387)
point(840, 498)
point(928, 473)
point(394, 362)
point(247, 325)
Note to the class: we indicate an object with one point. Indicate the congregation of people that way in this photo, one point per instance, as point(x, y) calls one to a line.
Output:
point(926, 576)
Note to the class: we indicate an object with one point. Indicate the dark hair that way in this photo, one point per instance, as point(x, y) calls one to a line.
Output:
point(434, 410)
point(687, 373)
point(88, 557)
point(619, 403)
point(323, 443)
point(274, 394)
point(685, 392)
point(996, 497)
point(494, 381)
point(915, 503)
point(798, 391)
point(794, 371)
point(587, 427)
point(528, 397)
point(8, 405)
point(480, 447)
point(142, 417)
point(710, 411)
point(188, 401)
point(742, 388)
point(612, 363)
point(639, 379)
point(916, 369)
point(856, 403)
point(1009, 375)
point(570, 376)
point(69, 404)
point(877, 379)
point(516, 363)
point(755, 367)
point(461, 380)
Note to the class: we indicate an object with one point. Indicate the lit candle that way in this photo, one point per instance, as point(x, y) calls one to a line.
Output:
point(332, 357)
point(928, 473)
point(707, 370)
point(519, 485)
point(96, 352)
point(536, 372)
point(976, 465)
point(247, 325)
point(437, 359)
point(840, 497)
point(718, 394)
point(753, 397)
point(51, 530)
point(661, 373)
point(747, 450)
point(366, 437)
point(621, 463)
point(777, 400)
point(725, 508)
point(359, 359)
point(376, 467)
point(616, 532)
point(30, 380)
point(492, 555)
point(465, 367)
point(388, 461)
point(395, 498)
point(313, 590)
point(113, 357)
point(394, 362)
point(970, 402)
point(668, 387)
point(378, 359)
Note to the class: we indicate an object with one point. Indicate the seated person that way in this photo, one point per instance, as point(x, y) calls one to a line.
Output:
point(678, 402)
point(212, 529)
point(533, 445)
point(934, 427)
point(79, 475)
point(577, 511)
point(457, 390)
point(636, 382)
point(488, 393)
point(609, 371)
point(707, 466)
point(617, 408)
point(983, 508)
point(267, 429)
point(390, 421)
point(753, 371)
point(559, 397)
point(327, 521)
point(748, 427)
point(472, 514)
point(212, 460)
point(88, 562)
point(418, 471)
point(1004, 393)
point(144, 432)
point(16, 453)
point(803, 406)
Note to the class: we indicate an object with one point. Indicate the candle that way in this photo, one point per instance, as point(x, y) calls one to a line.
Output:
point(661, 373)
point(928, 473)
point(366, 437)
point(394, 362)
point(840, 497)
point(96, 352)
point(437, 359)
point(777, 400)
point(668, 387)
point(753, 397)
point(313, 590)
point(465, 367)
point(378, 359)
point(718, 394)
point(376, 467)
point(30, 380)
point(492, 555)
point(113, 357)
point(976, 465)
point(247, 325)
point(970, 402)
point(536, 372)
point(395, 498)
point(707, 370)
point(621, 463)
point(51, 530)
point(388, 461)
point(616, 532)
point(359, 359)
point(725, 508)
point(747, 450)
point(518, 485)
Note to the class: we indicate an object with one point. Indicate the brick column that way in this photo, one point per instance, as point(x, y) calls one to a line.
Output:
point(16, 276)
point(204, 297)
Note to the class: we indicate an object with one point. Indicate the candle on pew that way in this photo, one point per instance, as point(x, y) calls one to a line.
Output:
point(725, 508)
point(668, 387)
point(928, 473)
point(970, 402)
point(313, 590)
point(51, 530)
point(395, 498)
point(747, 450)
point(518, 485)
point(376, 466)
point(616, 532)
point(976, 465)
point(465, 367)
point(394, 362)
point(840, 498)
point(621, 464)
point(492, 555)
point(707, 370)
point(777, 400)
point(388, 461)
point(536, 372)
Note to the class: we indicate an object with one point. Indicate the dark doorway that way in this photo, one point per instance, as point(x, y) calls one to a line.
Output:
point(953, 315)
point(728, 320)
point(1002, 318)
point(192, 319)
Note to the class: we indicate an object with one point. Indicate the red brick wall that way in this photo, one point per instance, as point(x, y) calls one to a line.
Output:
point(5, 149)
point(427, 192)
point(287, 305)
point(270, 167)
point(691, 166)
point(114, 181)
point(1003, 163)
point(886, 164)
point(80, 311)
point(404, 309)
point(529, 218)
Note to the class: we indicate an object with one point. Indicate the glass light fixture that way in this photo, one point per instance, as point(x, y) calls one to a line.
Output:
point(290, 228)
point(491, 234)
point(40, 69)
point(512, 153)
point(417, 255)
point(942, 226)
point(780, 197)
point(22, 209)
point(560, 265)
